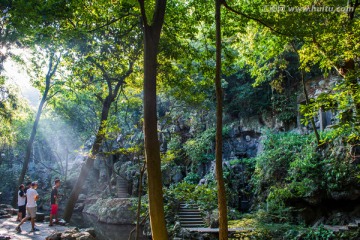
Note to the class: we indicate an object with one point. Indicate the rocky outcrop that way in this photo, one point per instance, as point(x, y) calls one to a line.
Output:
point(6, 211)
point(112, 211)
point(74, 234)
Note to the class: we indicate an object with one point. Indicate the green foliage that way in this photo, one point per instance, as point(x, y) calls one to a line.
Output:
point(344, 100)
point(174, 154)
point(263, 52)
point(8, 101)
point(102, 43)
point(319, 233)
point(192, 178)
point(203, 195)
point(242, 99)
point(200, 148)
point(291, 168)
point(15, 115)
point(260, 229)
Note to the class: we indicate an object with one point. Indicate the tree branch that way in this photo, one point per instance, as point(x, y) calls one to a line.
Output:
point(159, 15)
point(143, 12)
point(98, 96)
point(322, 51)
point(52, 69)
point(122, 79)
point(52, 95)
point(252, 18)
point(104, 72)
point(106, 24)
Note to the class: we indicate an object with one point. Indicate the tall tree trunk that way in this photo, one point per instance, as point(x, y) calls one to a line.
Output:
point(51, 71)
point(152, 146)
point(87, 166)
point(223, 224)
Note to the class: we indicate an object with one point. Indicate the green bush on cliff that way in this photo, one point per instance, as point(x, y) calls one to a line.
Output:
point(200, 149)
point(291, 167)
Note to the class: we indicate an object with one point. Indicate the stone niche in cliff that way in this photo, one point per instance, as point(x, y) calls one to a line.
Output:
point(112, 211)
point(238, 145)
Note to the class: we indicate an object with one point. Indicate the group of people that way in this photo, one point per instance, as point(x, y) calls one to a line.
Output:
point(27, 198)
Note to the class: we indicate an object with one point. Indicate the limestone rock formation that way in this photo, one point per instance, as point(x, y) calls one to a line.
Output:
point(112, 211)
point(75, 234)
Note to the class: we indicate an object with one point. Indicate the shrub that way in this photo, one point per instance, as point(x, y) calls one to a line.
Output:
point(200, 149)
point(292, 167)
point(203, 195)
point(192, 178)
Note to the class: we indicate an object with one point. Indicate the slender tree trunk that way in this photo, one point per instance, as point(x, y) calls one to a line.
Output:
point(87, 166)
point(30, 143)
point(100, 135)
point(142, 170)
point(152, 146)
point(223, 224)
point(66, 169)
point(307, 103)
point(51, 71)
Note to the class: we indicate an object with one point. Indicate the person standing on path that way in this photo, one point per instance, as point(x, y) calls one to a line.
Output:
point(54, 202)
point(31, 196)
point(21, 203)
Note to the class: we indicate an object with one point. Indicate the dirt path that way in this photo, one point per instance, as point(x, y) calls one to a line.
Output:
point(7, 228)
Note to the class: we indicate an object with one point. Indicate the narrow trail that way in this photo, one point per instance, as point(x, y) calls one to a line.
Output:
point(7, 228)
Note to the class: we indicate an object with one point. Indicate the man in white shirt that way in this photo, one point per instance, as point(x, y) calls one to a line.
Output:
point(31, 196)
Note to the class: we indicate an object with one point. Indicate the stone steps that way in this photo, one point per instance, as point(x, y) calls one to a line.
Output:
point(190, 216)
point(122, 188)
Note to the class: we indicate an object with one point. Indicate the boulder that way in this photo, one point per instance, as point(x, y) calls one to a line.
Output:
point(90, 230)
point(73, 234)
point(54, 236)
point(79, 207)
point(81, 198)
point(5, 206)
point(6, 209)
point(4, 237)
point(185, 233)
point(112, 211)
point(4, 214)
point(11, 211)
point(68, 234)
point(82, 236)
point(212, 219)
point(177, 228)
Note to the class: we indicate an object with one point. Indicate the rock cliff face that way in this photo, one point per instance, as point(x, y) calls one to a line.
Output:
point(242, 140)
point(112, 211)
